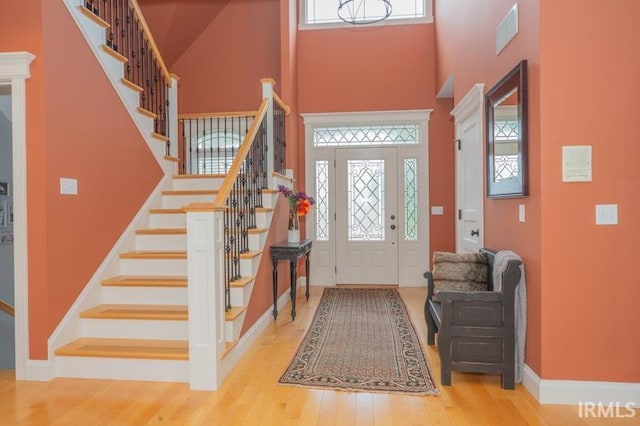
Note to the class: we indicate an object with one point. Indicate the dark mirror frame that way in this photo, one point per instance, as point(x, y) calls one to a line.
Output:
point(515, 79)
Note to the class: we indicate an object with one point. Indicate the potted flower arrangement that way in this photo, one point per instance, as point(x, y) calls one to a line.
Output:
point(299, 205)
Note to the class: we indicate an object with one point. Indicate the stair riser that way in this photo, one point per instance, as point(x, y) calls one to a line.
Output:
point(256, 241)
point(144, 295)
point(233, 328)
point(240, 295)
point(122, 369)
point(135, 329)
point(168, 220)
point(197, 183)
point(178, 201)
point(249, 266)
point(161, 242)
point(269, 200)
point(170, 267)
point(263, 219)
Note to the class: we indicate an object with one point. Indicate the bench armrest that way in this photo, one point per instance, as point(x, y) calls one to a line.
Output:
point(429, 276)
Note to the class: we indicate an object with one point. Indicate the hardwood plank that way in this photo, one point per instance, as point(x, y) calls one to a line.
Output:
point(145, 281)
point(251, 395)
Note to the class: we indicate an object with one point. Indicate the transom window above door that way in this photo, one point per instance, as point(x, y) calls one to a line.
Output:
point(315, 14)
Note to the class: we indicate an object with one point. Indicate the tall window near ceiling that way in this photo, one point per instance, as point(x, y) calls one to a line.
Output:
point(323, 13)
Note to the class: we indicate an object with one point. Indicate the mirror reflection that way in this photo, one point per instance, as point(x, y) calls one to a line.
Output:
point(506, 127)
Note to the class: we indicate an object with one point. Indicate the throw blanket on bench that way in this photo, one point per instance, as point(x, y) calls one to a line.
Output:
point(520, 301)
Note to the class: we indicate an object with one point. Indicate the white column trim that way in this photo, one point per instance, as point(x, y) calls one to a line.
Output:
point(14, 70)
point(205, 257)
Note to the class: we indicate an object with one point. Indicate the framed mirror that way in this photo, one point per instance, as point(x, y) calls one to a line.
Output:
point(506, 125)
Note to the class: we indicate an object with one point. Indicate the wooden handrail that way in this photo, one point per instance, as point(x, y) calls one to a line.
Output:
point(217, 114)
point(232, 174)
point(280, 102)
point(154, 47)
point(7, 308)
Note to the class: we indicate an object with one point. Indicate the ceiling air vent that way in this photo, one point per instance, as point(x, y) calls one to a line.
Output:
point(507, 29)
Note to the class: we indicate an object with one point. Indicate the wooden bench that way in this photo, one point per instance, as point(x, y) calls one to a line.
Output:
point(476, 329)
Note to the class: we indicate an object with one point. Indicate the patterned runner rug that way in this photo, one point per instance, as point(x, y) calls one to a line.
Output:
point(361, 339)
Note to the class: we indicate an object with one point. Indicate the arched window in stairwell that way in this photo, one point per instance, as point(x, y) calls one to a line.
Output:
point(214, 152)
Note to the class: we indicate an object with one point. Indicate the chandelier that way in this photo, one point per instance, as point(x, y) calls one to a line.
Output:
point(362, 12)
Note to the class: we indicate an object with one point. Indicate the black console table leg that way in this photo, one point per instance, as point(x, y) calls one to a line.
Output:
point(308, 274)
point(275, 289)
point(293, 265)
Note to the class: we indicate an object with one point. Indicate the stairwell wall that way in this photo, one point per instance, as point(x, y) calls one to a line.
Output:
point(77, 127)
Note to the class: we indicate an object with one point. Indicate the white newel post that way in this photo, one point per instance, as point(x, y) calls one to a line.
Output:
point(173, 116)
point(205, 254)
point(267, 93)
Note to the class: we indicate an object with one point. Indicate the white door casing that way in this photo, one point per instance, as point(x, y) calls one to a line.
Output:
point(412, 243)
point(367, 220)
point(469, 166)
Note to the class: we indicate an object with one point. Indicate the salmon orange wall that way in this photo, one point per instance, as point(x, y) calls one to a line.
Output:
point(380, 69)
point(466, 42)
point(590, 92)
point(85, 133)
point(222, 68)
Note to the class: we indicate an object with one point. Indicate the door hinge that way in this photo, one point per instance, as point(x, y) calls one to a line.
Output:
point(336, 270)
point(457, 141)
point(459, 214)
point(334, 163)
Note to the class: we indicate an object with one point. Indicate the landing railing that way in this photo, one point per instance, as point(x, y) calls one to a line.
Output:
point(129, 36)
point(210, 142)
point(7, 308)
point(241, 193)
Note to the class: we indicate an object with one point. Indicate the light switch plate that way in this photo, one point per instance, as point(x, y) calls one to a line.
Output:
point(68, 186)
point(606, 214)
point(437, 210)
point(521, 210)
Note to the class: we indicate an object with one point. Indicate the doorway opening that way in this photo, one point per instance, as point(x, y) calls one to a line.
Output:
point(7, 302)
point(369, 175)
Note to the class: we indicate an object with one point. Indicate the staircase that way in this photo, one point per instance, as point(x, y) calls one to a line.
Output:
point(139, 331)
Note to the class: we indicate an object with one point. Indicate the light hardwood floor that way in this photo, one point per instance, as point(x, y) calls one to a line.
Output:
point(251, 396)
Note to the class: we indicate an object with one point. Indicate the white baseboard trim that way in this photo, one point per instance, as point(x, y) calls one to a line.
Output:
point(39, 371)
point(250, 337)
point(574, 392)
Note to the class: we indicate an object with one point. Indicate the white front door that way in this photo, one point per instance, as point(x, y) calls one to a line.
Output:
point(367, 218)
point(469, 177)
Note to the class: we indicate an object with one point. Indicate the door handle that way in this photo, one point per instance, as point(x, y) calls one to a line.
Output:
point(393, 227)
point(475, 233)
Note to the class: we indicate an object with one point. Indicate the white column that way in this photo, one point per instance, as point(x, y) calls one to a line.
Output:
point(173, 115)
point(205, 247)
point(267, 93)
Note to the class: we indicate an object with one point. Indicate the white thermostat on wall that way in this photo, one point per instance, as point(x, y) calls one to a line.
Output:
point(576, 163)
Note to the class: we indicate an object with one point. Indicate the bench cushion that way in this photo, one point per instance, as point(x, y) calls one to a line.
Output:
point(459, 272)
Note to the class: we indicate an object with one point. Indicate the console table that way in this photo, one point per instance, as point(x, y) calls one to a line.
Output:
point(285, 250)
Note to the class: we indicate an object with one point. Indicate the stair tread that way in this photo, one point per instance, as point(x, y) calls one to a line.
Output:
point(210, 176)
point(190, 192)
point(250, 254)
point(264, 209)
point(126, 348)
point(154, 312)
point(145, 281)
point(166, 211)
point(162, 231)
point(154, 254)
point(234, 312)
point(242, 281)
